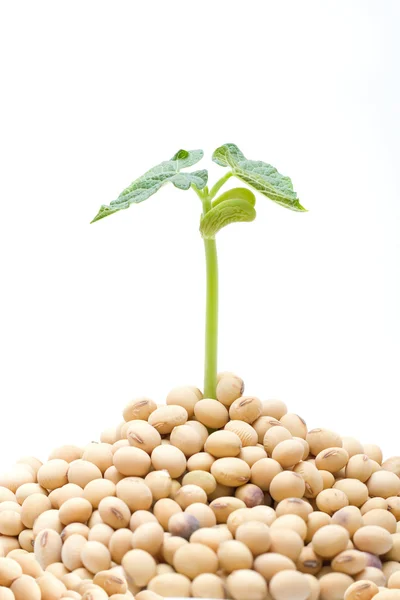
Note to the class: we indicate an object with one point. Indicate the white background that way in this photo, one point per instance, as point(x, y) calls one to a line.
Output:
point(93, 94)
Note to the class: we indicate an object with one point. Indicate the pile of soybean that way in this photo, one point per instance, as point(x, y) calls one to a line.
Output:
point(228, 498)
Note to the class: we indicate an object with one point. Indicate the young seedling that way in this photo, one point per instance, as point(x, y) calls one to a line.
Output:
point(233, 206)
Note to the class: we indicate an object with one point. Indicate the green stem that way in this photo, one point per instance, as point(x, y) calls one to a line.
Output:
point(215, 189)
point(211, 341)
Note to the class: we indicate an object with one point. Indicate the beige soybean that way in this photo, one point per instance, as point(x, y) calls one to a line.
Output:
point(135, 493)
point(332, 459)
point(7, 594)
point(120, 543)
point(372, 574)
point(7, 495)
point(211, 413)
point(49, 519)
point(394, 552)
point(165, 418)
point(392, 464)
point(25, 540)
point(292, 522)
point(383, 484)
point(82, 471)
point(170, 458)
point(330, 540)
point(352, 446)
point(331, 500)
point(374, 452)
point(114, 512)
point(327, 479)
point(250, 494)
point(212, 537)
point(99, 454)
point(164, 509)
point(202, 479)
point(314, 585)
point(244, 584)
point(190, 494)
point(10, 570)
point(247, 434)
point(334, 585)
point(393, 506)
point(131, 461)
point(348, 517)
point(170, 584)
point(8, 505)
point(289, 585)
point(27, 489)
point(71, 551)
point(224, 506)
point(274, 436)
point(170, 546)
point(203, 513)
point(349, 562)
point(373, 503)
point(231, 471)
point(223, 443)
point(141, 434)
point(295, 424)
point(201, 461)
point(308, 561)
point(175, 487)
point(238, 517)
point(159, 484)
point(355, 490)
point(255, 535)
point(110, 582)
point(229, 388)
point(10, 523)
point(98, 489)
point(394, 581)
point(288, 453)
point(220, 492)
point(139, 408)
point(27, 561)
point(112, 474)
point(286, 542)
point(109, 435)
point(359, 467)
point(245, 408)
point(199, 428)
point(101, 533)
point(74, 528)
point(53, 474)
point(207, 585)
point(361, 590)
point(263, 424)
point(149, 537)
point(194, 559)
point(381, 517)
point(263, 472)
point(186, 439)
point(68, 452)
point(312, 478)
point(274, 408)
point(184, 396)
point(287, 484)
point(75, 510)
point(374, 539)
point(47, 547)
point(50, 586)
point(21, 473)
point(234, 555)
point(95, 557)
point(26, 587)
point(321, 439)
point(271, 563)
point(294, 506)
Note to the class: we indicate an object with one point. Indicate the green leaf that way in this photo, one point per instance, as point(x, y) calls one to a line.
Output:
point(260, 175)
point(149, 183)
point(241, 193)
point(234, 210)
